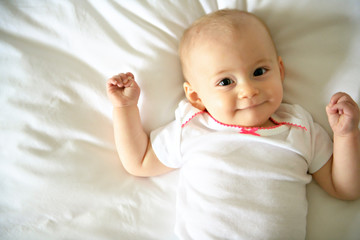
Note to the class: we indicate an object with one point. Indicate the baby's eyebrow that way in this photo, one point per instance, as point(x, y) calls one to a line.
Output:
point(263, 60)
point(222, 71)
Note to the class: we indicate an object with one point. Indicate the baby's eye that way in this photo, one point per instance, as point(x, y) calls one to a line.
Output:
point(259, 72)
point(225, 82)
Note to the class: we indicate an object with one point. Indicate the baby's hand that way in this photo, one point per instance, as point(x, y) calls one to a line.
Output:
point(343, 114)
point(122, 90)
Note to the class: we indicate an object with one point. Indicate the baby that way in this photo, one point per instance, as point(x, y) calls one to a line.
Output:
point(245, 156)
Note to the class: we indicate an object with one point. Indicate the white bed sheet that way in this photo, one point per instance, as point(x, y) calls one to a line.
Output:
point(60, 177)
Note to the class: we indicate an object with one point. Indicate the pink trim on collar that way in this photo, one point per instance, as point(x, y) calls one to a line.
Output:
point(246, 130)
point(288, 123)
point(183, 125)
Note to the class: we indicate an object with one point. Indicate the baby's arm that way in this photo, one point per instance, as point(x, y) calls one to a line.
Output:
point(132, 143)
point(340, 177)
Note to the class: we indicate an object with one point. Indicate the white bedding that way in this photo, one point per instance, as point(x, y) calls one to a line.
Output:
point(60, 176)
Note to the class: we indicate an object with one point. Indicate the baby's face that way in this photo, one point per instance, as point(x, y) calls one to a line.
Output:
point(237, 77)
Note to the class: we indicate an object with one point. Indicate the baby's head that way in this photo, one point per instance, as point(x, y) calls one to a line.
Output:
point(231, 68)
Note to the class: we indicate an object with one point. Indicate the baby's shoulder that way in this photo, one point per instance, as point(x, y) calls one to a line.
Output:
point(185, 112)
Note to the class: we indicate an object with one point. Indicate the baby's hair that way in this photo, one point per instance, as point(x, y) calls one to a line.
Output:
point(223, 21)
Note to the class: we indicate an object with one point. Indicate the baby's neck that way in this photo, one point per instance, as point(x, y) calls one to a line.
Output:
point(268, 123)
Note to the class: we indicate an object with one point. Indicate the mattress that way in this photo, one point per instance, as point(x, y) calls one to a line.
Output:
point(60, 176)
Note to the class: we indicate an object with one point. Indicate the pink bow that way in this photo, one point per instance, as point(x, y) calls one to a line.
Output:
point(251, 131)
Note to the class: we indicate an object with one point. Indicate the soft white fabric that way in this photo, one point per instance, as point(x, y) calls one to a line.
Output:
point(60, 177)
point(241, 184)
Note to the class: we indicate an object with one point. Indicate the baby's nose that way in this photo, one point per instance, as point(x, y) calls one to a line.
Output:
point(247, 90)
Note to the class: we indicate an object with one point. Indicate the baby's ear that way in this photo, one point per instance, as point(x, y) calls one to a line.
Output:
point(193, 97)
point(281, 68)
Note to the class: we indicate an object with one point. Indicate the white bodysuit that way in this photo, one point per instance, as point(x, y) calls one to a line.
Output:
point(242, 183)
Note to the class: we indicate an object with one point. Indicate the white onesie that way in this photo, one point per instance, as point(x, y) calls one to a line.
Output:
point(242, 183)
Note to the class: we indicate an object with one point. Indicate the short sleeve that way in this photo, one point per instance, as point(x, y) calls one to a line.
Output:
point(165, 142)
point(322, 148)
point(315, 143)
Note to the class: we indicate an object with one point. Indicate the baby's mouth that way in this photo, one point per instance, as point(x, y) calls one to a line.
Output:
point(250, 105)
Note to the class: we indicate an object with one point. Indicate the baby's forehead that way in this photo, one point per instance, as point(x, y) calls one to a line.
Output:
point(215, 27)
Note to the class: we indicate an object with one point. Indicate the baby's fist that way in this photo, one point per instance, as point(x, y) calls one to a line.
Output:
point(343, 114)
point(122, 90)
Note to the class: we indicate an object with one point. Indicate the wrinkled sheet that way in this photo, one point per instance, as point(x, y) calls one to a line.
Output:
point(60, 176)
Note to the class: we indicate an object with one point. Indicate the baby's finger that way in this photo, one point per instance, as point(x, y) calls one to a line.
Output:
point(129, 80)
point(129, 74)
point(335, 98)
point(112, 81)
point(345, 107)
point(341, 97)
point(118, 80)
point(122, 80)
